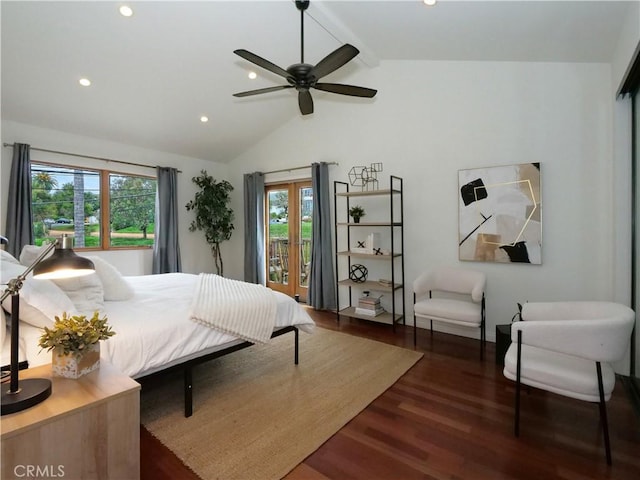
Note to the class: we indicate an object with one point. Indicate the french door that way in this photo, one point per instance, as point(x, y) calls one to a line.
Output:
point(289, 208)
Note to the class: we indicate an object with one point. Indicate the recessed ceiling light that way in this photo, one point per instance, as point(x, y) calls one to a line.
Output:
point(253, 75)
point(430, 3)
point(126, 11)
point(85, 82)
point(204, 119)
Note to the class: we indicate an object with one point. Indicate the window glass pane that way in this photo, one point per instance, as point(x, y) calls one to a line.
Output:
point(306, 213)
point(132, 210)
point(66, 200)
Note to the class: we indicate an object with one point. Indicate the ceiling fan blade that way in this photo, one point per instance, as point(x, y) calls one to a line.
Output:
point(261, 90)
point(334, 60)
point(261, 62)
point(346, 89)
point(305, 102)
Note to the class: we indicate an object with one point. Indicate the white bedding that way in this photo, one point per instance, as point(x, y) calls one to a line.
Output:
point(153, 329)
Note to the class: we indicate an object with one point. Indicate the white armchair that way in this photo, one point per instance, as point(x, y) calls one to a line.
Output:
point(451, 295)
point(567, 348)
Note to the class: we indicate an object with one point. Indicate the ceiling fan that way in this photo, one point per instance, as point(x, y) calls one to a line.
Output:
point(303, 76)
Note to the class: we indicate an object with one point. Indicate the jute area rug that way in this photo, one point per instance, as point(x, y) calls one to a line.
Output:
point(257, 415)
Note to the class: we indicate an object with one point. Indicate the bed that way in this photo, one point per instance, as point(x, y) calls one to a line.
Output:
point(149, 313)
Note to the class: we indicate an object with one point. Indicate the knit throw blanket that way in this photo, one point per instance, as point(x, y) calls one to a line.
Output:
point(245, 310)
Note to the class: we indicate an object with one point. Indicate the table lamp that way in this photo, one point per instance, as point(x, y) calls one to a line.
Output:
point(63, 263)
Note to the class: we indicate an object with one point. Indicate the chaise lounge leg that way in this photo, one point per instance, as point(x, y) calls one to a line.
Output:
point(188, 391)
point(603, 415)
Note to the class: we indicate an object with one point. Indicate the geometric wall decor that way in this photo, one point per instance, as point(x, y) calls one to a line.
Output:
point(500, 218)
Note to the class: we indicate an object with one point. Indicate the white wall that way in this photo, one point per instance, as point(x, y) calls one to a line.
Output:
point(431, 119)
point(196, 256)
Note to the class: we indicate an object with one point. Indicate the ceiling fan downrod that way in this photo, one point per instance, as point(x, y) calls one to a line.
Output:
point(302, 5)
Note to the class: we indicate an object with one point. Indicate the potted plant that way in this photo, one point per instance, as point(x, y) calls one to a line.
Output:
point(75, 341)
point(212, 213)
point(356, 212)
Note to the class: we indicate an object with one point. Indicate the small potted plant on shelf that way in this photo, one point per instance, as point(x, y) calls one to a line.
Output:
point(75, 341)
point(356, 212)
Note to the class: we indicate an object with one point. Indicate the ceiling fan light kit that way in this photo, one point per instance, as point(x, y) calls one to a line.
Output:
point(303, 76)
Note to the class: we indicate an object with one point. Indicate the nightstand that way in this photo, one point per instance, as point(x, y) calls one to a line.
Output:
point(88, 428)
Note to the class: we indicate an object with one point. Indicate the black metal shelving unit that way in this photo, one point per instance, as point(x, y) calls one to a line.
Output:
point(395, 258)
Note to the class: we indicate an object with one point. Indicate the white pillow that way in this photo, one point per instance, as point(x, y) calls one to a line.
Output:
point(30, 253)
point(3, 327)
point(40, 300)
point(114, 284)
point(85, 292)
point(7, 257)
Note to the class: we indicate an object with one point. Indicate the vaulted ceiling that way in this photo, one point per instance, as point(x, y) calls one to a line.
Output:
point(154, 74)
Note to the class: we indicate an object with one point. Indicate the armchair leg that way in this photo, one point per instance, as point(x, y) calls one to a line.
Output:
point(603, 415)
point(517, 414)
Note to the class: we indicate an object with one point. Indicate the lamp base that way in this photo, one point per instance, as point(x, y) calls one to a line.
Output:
point(31, 391)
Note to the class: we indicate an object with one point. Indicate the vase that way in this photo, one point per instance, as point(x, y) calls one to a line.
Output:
point(76, 364)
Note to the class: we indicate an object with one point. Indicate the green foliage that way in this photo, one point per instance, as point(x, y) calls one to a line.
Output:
point(213, 216)
point(132, 202)
point(75, 333)
point(356, 211)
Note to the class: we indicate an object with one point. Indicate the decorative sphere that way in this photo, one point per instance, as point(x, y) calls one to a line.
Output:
point(358, 273)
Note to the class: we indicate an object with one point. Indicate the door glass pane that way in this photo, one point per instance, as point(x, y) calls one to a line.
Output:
point(278, 237)
point(306, 215)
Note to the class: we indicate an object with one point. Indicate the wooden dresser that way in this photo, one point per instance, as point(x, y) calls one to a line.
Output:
point(87, 429)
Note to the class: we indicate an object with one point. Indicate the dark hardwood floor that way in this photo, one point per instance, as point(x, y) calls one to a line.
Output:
point(451, 417)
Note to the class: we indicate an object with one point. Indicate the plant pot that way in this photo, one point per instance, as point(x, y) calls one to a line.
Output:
point(356, 219)
point(76, 364)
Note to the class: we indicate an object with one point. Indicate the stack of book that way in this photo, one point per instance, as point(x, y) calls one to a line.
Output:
point(369, 306)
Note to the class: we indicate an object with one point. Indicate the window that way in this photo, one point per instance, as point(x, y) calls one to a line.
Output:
point(101, 209)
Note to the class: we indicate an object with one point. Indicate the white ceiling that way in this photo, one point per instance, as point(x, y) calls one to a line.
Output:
point(154, 74)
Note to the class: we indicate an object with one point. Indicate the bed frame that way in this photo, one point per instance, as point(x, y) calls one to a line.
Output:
point(187, 366)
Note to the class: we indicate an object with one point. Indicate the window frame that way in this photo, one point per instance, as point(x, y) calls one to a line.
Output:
point(105, 202)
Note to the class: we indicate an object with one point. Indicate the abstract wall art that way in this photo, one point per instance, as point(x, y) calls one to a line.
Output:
point(500, 214)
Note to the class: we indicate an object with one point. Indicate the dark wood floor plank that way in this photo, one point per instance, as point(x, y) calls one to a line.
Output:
point(451, 417)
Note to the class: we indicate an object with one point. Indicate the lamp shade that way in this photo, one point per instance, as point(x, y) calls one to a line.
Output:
point(64, 263)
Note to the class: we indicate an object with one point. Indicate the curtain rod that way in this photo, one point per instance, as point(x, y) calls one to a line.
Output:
point(295, 168)
point(86, 156)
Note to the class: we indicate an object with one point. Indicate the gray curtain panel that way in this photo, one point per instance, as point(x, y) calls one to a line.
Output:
point(322, 286)
point(166, 248)
point(254, 263)
point(19, 222)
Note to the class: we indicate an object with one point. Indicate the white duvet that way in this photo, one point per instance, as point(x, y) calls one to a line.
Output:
point(153, 329)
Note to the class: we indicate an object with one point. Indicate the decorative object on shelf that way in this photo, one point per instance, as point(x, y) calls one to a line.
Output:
point(75, 341)
point(500, 214)
point(358, 273)
point(356, 212)
point(361, 244)
point(378, 251)
point(373, 242)
point(26, 393)
point(365, 177)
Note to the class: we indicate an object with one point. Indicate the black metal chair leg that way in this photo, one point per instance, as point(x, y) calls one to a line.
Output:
point(518, 375)
point(297, 348)
point(603, 414)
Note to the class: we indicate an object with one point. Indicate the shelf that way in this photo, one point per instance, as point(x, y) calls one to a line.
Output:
point(370, 285)
point(369, 255)
point(369, 224)
point(368, 193)
point(388, 217)
point(385, 317)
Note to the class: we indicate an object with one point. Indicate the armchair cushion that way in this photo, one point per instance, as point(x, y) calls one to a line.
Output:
point(453, 311)
point(559, 373)
point(453, 280)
